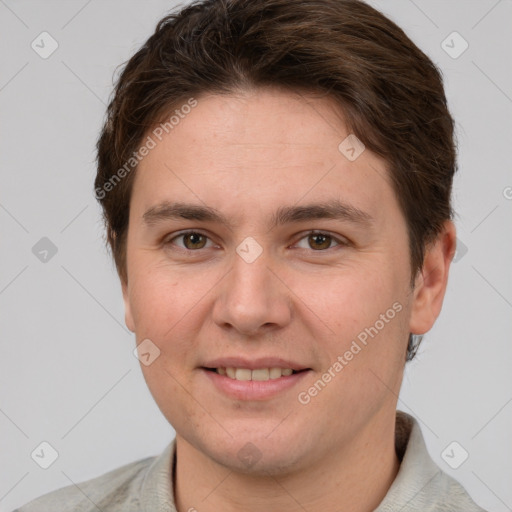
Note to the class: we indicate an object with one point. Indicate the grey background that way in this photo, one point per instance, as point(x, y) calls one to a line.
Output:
point(67, 372)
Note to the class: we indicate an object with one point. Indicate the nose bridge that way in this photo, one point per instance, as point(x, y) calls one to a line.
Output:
point(251, 297)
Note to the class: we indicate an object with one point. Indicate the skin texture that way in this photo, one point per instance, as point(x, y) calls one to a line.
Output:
point(303, 300)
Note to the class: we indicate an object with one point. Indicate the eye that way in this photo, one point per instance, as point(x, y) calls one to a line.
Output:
point(315, 240)
point(319, 241)
point(191, 240)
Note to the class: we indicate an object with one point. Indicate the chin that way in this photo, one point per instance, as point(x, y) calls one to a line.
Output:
point(250, 460)
point(254, 454)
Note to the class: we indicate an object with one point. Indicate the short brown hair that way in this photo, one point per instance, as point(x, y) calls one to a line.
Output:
point(390, 92)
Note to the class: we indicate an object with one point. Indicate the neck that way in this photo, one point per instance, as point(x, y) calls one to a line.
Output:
point(355, 478)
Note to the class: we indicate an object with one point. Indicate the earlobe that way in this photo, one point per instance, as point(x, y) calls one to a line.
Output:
point(431, 282)
point(128, 318)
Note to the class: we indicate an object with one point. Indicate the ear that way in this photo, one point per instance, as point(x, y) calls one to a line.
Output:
point(430, 284)
point(128, 318)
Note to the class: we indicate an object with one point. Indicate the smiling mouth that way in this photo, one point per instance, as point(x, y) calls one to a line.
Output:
point(258, 374)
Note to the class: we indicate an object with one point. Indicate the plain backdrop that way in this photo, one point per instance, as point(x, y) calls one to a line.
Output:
point(68, 376)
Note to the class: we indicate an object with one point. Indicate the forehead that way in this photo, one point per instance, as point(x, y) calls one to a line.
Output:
point(269, 117)
point(262, 146)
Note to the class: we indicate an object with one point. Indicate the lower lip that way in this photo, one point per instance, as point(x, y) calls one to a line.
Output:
point(253, 389)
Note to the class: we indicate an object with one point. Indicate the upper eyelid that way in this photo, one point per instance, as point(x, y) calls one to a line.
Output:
point(339, 238)
point(170, 238)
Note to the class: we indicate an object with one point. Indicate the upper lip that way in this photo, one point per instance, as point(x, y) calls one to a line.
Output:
point(253, 364)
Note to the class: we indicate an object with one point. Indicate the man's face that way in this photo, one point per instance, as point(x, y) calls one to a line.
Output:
point(264, 292)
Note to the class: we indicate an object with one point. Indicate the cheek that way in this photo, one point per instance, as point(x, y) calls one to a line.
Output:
point(363, 359)
point(161, 311)
point(162, 297)
point(165, 307)
point(367, 309)
point(355, 297)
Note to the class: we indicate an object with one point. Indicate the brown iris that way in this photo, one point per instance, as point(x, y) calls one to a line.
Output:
point(196, 240)
point(322, 241)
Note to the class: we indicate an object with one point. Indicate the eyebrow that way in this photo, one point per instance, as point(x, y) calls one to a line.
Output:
point(333, 209)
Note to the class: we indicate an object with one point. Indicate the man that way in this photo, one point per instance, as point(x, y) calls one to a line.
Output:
point(275, 178)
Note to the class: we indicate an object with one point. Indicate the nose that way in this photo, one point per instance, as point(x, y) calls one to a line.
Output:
point(252, 298)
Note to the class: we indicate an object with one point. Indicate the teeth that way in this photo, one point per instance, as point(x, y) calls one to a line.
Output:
point(261, 374)
point(242, 374)
point(275, 373)
point(258, 374)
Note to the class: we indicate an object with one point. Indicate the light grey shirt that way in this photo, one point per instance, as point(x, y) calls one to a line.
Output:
point(147, 485)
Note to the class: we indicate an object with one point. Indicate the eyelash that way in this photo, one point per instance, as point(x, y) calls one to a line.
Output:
point(340, 242)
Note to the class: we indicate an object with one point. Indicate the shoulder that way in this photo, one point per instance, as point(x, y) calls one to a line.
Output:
point(113, 491)
point(420, 484)
point(451, 495)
